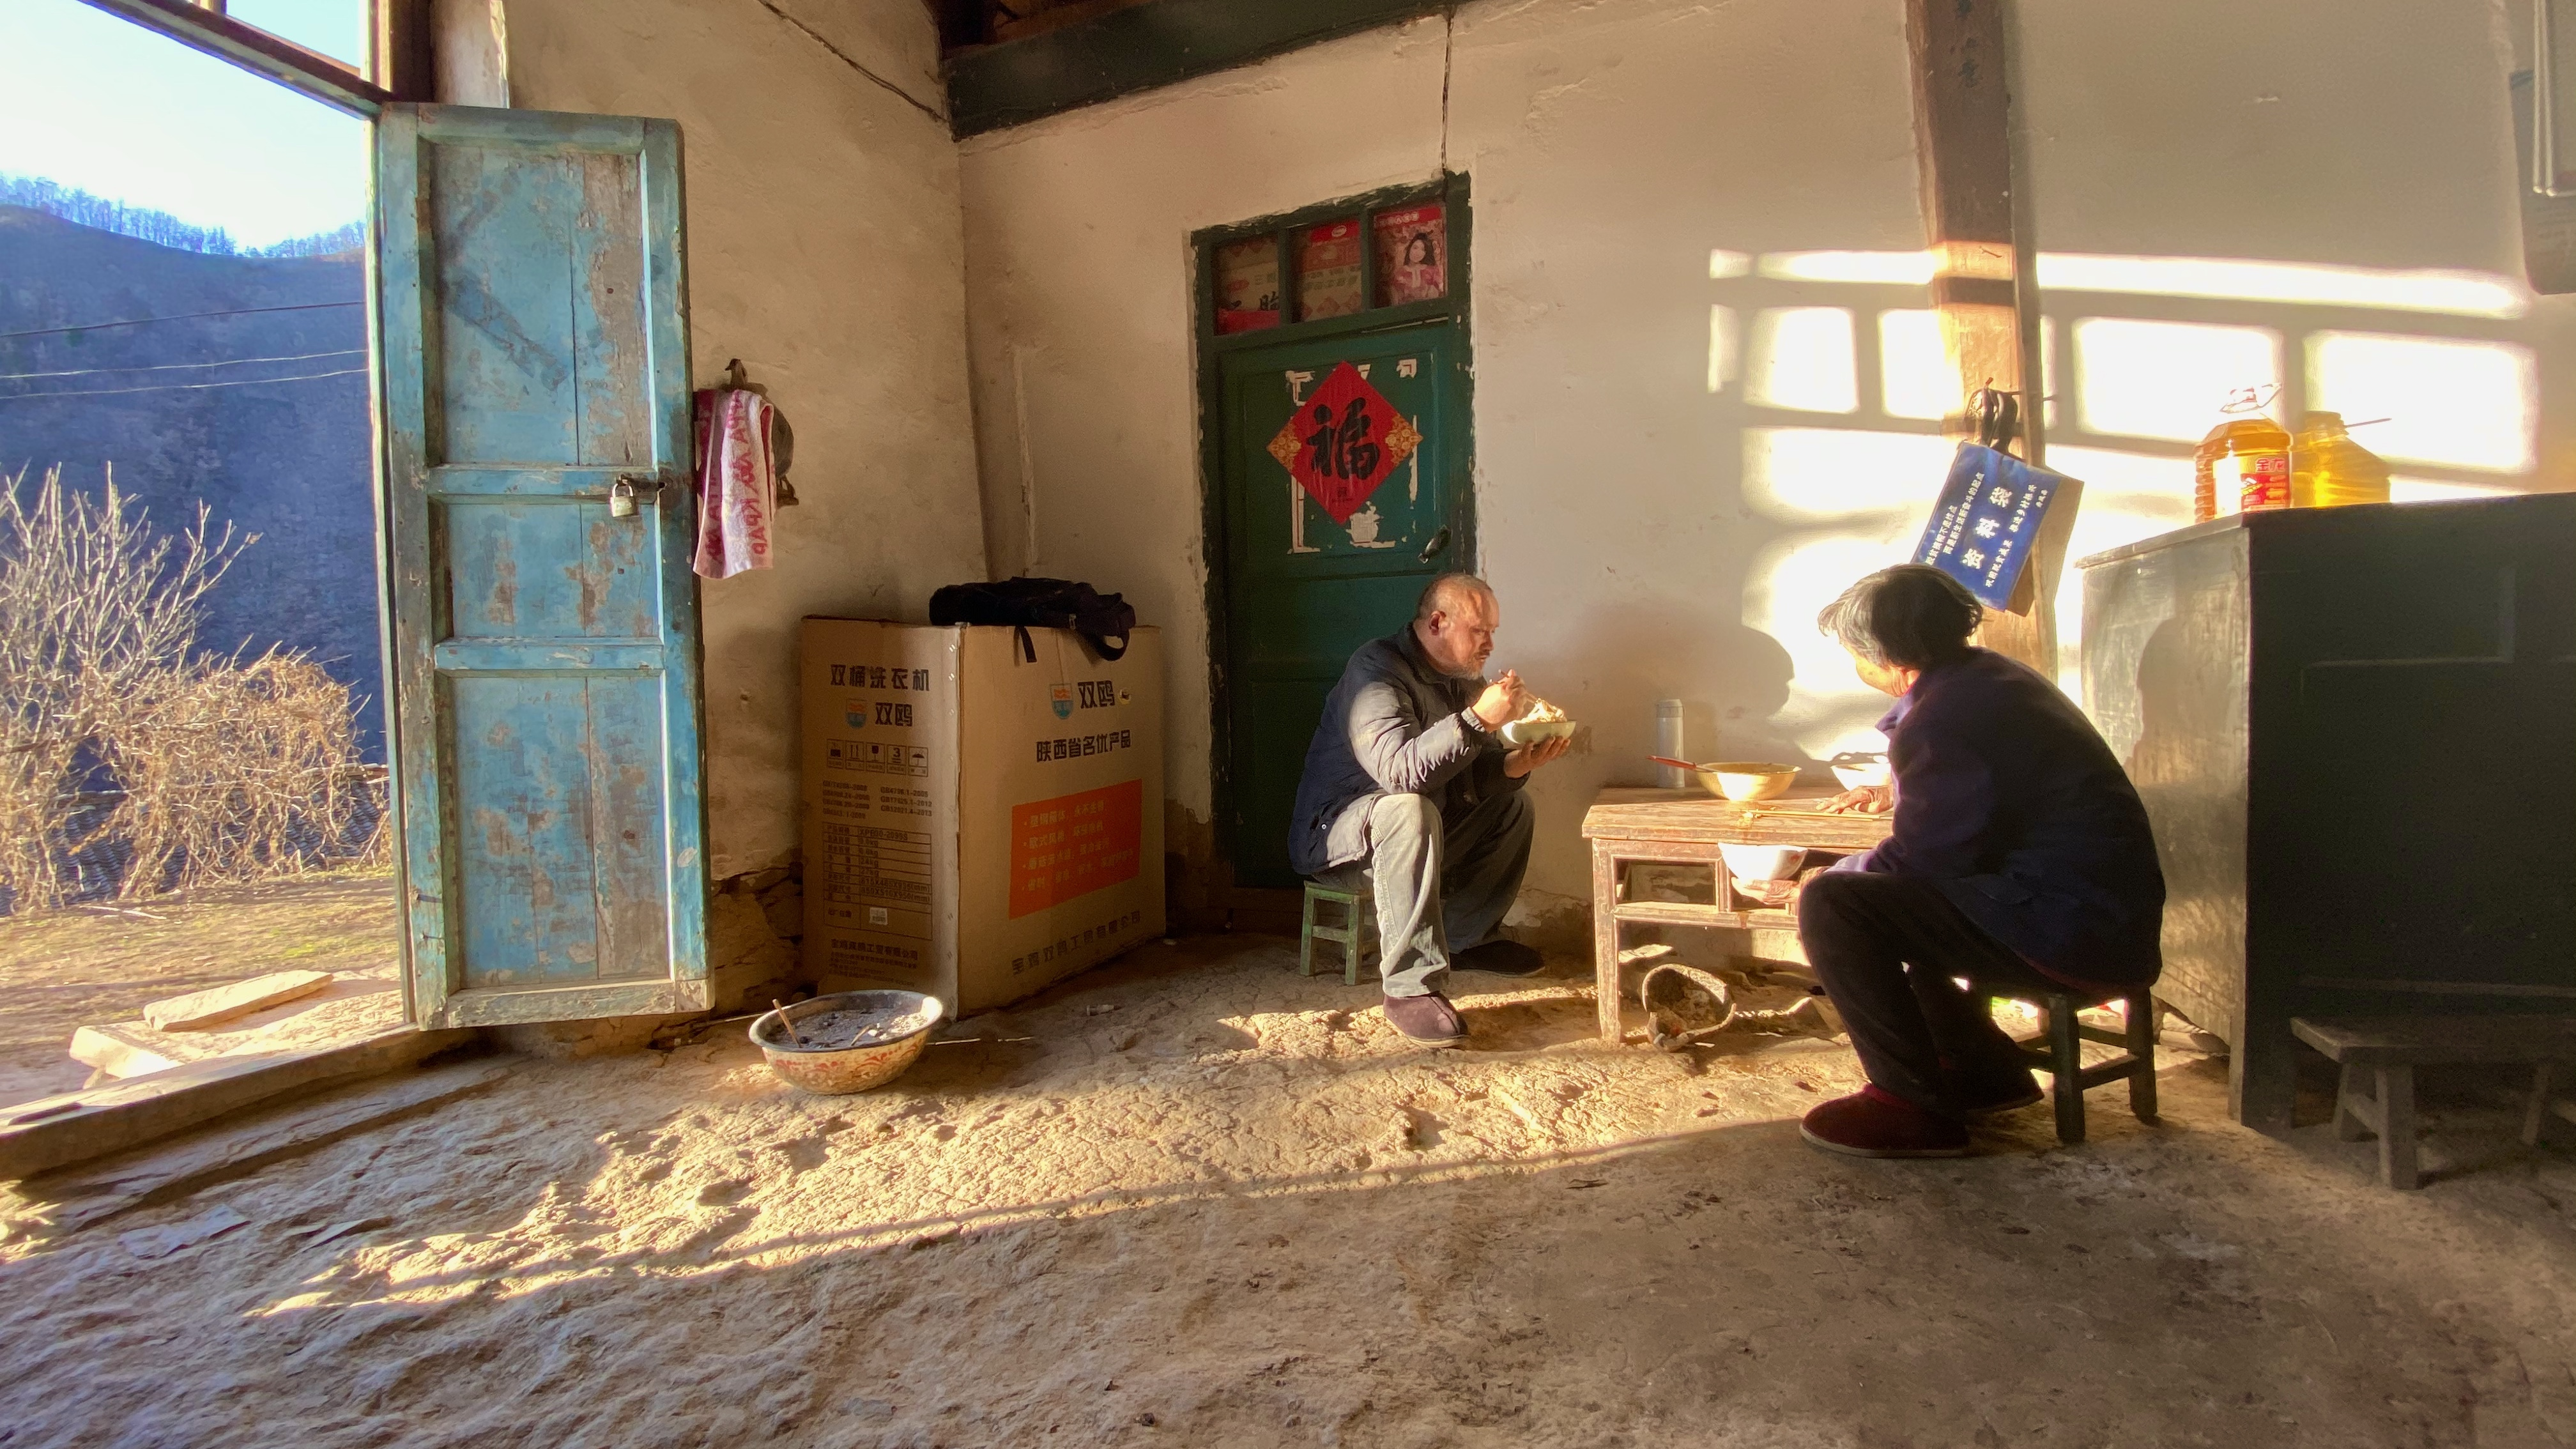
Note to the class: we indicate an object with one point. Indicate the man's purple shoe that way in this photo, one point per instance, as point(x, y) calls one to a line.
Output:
point(1428, 1019)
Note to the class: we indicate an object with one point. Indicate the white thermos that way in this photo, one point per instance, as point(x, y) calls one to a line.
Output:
point(1668, 743)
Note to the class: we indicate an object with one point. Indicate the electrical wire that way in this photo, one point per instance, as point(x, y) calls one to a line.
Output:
point(183, 386)
point(176, 317)
point(182, 366)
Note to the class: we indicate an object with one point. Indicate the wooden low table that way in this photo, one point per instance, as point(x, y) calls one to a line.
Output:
point(1685, 827)
point(2376, 1095)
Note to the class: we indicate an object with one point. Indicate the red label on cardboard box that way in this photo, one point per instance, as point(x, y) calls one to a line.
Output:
point(1073, 845)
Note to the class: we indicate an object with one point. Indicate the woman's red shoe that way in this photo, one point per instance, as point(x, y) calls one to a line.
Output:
point(1873, 1123)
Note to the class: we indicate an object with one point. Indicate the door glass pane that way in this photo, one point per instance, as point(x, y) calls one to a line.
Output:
point(336, 28)
point(1412, 255)
point(1247, 285)
point(1328, 270)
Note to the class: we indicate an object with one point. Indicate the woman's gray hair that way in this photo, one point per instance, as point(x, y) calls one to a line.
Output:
point(1912, 616)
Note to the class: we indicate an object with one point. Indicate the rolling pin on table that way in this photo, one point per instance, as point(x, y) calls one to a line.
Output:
point(1685, 827)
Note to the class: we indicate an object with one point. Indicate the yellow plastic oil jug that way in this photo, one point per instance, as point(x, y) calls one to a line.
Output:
point(2244, 463)
point(2328, 469)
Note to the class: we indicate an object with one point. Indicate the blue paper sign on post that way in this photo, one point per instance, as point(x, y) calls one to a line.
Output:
point(1989, 517)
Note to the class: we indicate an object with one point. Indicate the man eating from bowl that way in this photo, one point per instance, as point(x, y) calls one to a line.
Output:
point(2020, 861)
point(1410, 790)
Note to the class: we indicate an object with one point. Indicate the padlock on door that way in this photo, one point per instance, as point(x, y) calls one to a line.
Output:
point(621, 500)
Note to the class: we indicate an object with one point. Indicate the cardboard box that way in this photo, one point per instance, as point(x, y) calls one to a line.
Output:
point(977, 824)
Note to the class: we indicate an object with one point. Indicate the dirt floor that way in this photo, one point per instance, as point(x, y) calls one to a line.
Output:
point(93, 964)
point(1194, 1199)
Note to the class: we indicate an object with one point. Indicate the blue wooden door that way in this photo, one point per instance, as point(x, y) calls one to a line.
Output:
point(546, 647)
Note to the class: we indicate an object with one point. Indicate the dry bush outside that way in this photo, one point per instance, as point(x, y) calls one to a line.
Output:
point(120, 743)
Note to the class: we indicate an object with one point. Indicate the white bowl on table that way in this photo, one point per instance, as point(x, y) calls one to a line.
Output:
point(1530, 732)
point(1763, 862)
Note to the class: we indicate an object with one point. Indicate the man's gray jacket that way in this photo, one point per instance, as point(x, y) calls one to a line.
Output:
point(1394, 725)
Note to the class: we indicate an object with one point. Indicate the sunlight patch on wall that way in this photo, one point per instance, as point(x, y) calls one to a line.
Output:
point(1863, 497)
point(1883, 483)
point(1723, 346)
point(2166, 379)
point(1790, 580)
point(1803, 359)
point(1899, 268)
point(2460, 404)
point(2461, 293)
point(2127, 497)
point(1723, 264)
point(2049, 372)
point(2113, 472)
point(2457, 292)
point(1915, 376)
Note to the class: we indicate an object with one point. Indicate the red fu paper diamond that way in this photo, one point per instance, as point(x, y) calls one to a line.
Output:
point(1343, 441)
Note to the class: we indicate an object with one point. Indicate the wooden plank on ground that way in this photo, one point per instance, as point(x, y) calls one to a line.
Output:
point(93, 1192)
point(79, 1126)
point(216, 1005)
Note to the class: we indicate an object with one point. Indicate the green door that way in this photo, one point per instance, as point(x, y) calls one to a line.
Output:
point(1303, 590)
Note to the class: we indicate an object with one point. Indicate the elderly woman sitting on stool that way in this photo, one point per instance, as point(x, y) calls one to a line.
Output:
point(2020, 862)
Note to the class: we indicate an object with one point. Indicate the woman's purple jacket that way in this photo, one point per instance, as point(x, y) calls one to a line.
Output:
point(2009, 802)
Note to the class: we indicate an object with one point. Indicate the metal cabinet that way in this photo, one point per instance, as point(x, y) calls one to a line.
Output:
point(2355, 732)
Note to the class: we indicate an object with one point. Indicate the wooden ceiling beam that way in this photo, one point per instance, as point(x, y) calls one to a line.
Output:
point(1982, 280)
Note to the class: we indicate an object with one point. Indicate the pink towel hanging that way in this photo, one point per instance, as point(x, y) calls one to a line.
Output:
point(737, 481)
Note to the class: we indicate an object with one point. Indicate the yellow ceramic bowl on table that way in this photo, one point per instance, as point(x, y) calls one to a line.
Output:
point(1748, 780)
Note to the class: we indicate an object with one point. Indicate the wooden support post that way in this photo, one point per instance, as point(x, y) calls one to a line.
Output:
point(2397, 1127)
point(1982, 279)
point(2350, 1124)
point(1605, 939)
point(406, 50)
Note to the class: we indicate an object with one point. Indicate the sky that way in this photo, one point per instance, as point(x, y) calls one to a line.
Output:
point(92, 101)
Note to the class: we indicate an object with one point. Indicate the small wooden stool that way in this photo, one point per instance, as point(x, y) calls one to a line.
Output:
point(1356, 933)
point(2059, 1051)
point(2383, 1055)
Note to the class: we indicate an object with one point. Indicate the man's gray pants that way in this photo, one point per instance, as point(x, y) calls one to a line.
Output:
point(1439, 888)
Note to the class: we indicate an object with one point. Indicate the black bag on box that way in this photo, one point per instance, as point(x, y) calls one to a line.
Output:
point(1103, 620)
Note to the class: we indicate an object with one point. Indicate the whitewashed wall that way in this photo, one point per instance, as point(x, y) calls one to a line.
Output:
point(1705, 383)
point(1611, 147)
point(824, 251)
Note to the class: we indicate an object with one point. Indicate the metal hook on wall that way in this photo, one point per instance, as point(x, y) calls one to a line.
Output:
point(782, 438)
point(1996, 414)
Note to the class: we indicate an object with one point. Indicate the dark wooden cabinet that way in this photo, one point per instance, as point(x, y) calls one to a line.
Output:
point(2355, 731)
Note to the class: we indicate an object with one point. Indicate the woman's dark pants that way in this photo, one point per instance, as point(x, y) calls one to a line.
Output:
point(1890, 952)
